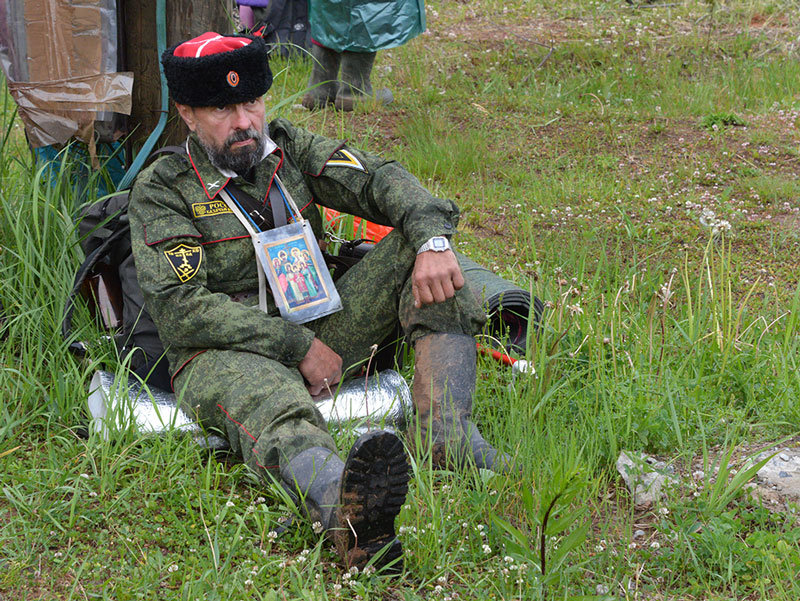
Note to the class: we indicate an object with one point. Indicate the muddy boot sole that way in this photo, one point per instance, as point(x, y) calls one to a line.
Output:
point(373, 490)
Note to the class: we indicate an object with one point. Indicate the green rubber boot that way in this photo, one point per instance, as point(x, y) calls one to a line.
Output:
point(355, 501)
point(323, 83)
point(356, 85)
point(444, 385)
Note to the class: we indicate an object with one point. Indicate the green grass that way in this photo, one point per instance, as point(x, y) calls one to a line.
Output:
point(591, 179)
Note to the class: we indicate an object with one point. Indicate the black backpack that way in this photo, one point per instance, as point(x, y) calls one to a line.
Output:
point(106, 281)
point(285, 23)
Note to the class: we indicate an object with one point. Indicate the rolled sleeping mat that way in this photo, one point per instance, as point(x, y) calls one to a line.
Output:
point(507, 305)
point(117, 403)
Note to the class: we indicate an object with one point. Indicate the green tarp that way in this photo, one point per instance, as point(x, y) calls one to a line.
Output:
point(361, 26)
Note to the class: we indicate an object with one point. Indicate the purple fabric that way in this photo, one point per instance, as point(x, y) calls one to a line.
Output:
point(259, 3)
point(246, 16)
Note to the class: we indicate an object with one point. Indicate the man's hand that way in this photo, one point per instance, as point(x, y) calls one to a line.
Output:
point(436, 277)
point(321, 367)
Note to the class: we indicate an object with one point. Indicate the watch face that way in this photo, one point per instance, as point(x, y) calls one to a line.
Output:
point(439, 243)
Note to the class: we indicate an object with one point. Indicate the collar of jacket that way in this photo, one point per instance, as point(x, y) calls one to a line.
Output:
point(212, 179)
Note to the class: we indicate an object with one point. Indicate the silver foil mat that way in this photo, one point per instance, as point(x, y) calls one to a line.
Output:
point(117, 404)
point(383, 399)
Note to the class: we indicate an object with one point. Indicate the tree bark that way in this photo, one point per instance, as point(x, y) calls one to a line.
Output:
point(139, 42)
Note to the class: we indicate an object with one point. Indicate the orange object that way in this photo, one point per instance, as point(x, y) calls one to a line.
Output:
point(497, 355)
point(370, 231)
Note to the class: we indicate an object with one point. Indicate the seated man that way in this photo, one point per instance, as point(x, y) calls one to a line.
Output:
point(248, 372)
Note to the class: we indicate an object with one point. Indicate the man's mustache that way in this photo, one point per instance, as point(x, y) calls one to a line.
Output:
point(242, 135)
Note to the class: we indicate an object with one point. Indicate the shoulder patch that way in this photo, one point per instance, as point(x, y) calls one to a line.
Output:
point(345, 158)
point(185, 260)
point(209, 209)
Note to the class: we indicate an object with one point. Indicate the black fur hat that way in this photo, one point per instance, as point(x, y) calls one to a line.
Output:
point(216, 70)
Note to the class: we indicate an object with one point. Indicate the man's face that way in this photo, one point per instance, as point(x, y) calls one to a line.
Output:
point(233, 135)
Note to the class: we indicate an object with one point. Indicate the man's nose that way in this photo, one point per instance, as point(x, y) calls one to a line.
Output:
point(241, 120)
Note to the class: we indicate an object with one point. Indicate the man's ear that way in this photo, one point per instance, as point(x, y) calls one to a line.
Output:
point(187, 114)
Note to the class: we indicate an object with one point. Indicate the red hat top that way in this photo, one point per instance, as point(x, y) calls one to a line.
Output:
point(216, 70)
point(209, 43)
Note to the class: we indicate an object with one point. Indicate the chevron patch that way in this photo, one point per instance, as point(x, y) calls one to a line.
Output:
point(345, 158)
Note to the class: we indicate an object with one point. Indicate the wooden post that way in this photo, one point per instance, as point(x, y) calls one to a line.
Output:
point(185, 19)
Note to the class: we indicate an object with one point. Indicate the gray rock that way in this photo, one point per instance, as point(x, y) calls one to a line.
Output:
point(644, 480)
point(781, 472)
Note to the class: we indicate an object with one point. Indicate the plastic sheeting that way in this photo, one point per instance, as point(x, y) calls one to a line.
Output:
point(361, 26)
point(60, 62)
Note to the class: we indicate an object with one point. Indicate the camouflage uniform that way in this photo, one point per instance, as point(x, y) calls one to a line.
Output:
point(236, 366)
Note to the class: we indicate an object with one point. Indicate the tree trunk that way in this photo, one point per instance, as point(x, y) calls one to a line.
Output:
point(185, 19)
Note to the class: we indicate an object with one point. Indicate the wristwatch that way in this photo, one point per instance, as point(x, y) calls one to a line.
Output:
point(436, 244)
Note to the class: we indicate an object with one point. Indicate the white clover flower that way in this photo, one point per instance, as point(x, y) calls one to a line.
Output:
point(172, 568)
point(707, 218)
point(575, 309)
point(317, 527)
point(272, 535)
point(487, 549)
point(655, 545)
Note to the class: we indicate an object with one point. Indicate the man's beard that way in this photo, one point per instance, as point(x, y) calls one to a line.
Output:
point(239, 160)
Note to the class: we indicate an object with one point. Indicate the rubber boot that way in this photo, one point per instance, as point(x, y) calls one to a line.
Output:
point(356, 84)
point(444, 386)
point(323, 82)
point(355, 501)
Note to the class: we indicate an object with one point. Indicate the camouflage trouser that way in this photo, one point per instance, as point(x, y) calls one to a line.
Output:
point(263, 407)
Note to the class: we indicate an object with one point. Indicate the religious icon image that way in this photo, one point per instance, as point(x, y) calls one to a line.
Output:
point(295, 269)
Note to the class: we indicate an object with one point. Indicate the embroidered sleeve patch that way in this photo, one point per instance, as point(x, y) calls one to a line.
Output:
point(345, 158)
point(185, 260)
point(209, 209)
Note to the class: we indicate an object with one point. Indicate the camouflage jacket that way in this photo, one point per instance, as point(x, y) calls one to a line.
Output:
point(192, 254)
